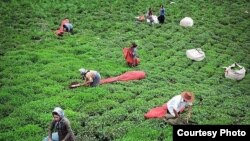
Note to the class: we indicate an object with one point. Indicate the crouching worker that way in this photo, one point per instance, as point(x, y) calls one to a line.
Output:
point(176, 105)
point(131, 56)
point(149, 15)
point(91, 78)
point(66, 26)
point(62, 125)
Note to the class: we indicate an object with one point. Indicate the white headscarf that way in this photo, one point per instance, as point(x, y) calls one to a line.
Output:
point(82, 71)
point(59, 111)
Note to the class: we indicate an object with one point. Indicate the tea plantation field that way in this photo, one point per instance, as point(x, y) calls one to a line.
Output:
point(37, 66)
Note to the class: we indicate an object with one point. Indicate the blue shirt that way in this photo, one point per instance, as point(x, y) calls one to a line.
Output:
point(162, 11)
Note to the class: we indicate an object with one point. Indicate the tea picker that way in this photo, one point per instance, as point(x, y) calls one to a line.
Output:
point(127, 76)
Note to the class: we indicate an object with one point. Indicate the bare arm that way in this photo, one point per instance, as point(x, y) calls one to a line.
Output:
point(88, 79)
point(176, 113)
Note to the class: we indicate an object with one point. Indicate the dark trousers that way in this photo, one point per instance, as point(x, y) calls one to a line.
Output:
point(161, 19)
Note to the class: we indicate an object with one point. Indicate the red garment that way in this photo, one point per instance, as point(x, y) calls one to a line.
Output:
point(130, 75)
point(60, 31)
point(128, 55)
point(157, 112)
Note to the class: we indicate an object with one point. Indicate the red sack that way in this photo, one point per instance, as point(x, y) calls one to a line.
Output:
point(130, 75)
point(157, 112)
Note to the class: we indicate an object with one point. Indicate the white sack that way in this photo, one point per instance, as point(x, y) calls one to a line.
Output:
point(195, 54)
point(235, 74)
point(155, 19)
point(187, 22)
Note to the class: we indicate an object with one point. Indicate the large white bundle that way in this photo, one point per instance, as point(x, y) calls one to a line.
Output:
point(235, 72)
point(187, 22)
point(195, 54)
point(155, 19)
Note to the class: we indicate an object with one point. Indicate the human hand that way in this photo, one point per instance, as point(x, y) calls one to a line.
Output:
point(86, 84)
point(177, 115)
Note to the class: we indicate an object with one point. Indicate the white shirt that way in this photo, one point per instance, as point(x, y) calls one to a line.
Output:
point(177, 103)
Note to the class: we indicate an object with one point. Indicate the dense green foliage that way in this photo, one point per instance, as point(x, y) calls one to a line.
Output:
point(37, 66)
